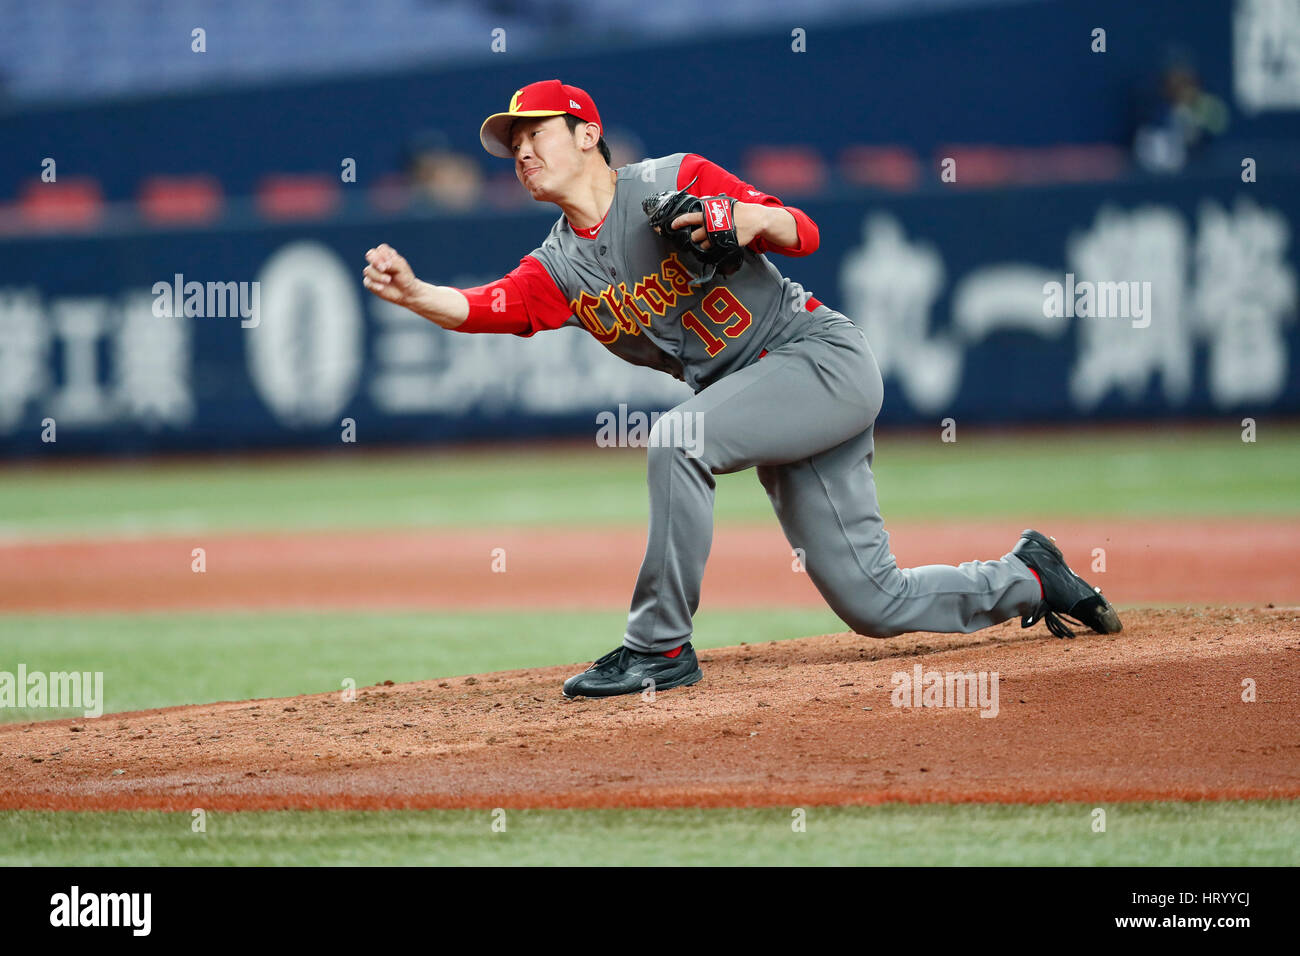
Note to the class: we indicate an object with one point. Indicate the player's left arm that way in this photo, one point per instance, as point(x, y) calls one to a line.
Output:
point(763, 222)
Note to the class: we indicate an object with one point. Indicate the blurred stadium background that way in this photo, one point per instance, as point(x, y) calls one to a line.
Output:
point(132, 158)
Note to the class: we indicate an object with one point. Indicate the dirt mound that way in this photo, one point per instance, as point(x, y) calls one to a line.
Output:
point(1153, 713)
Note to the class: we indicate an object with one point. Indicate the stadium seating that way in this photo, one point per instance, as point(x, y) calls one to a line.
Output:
point(69, 203)
point(307, 196)
point(180, 199)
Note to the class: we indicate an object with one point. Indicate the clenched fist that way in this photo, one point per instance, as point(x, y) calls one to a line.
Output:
point(389, 276)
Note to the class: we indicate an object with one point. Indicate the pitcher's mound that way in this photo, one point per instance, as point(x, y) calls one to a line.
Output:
point(1156, 712)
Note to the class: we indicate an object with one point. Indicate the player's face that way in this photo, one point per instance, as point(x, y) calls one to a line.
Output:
point(547, 158)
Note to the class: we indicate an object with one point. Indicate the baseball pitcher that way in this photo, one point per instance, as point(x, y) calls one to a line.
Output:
point(666, 263)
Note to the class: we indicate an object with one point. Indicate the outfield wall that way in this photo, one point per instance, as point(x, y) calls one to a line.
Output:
point(948, 283)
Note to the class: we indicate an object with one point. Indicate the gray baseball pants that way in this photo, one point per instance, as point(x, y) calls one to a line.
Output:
point(804, 417)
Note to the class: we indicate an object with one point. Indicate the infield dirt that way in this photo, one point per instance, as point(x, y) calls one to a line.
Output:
point(1156, 712)
point(1249, 561)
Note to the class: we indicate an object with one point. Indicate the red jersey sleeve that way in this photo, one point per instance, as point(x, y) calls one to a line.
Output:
point(524, 301)
point(711, 179)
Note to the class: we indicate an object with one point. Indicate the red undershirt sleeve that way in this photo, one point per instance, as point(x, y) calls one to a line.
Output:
point(524, 301)
point(711, 180)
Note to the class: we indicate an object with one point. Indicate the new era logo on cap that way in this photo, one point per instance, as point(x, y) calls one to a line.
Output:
point(546, 98)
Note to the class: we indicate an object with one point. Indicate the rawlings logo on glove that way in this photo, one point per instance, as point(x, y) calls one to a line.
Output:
point(724, 254)
point(717, 213)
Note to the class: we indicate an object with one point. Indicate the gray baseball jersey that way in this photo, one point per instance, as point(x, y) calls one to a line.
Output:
point(631, 290)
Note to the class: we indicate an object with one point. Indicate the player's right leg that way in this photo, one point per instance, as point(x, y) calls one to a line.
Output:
point(827, 506)
point(828, 509)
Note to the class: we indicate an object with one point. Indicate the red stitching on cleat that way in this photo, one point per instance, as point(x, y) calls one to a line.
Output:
point(1042, 592)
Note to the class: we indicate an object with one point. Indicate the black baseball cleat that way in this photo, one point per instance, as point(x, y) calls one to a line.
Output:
point(1065, 594)
point(625, 671)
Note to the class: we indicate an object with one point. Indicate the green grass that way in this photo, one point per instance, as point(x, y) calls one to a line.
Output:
point(1167, 472)
point(1155, 834)
point(163, 659)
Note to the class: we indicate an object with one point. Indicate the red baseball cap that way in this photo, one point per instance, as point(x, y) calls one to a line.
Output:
point(546, 98)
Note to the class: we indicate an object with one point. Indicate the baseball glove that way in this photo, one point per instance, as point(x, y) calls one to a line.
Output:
point(724, 254)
